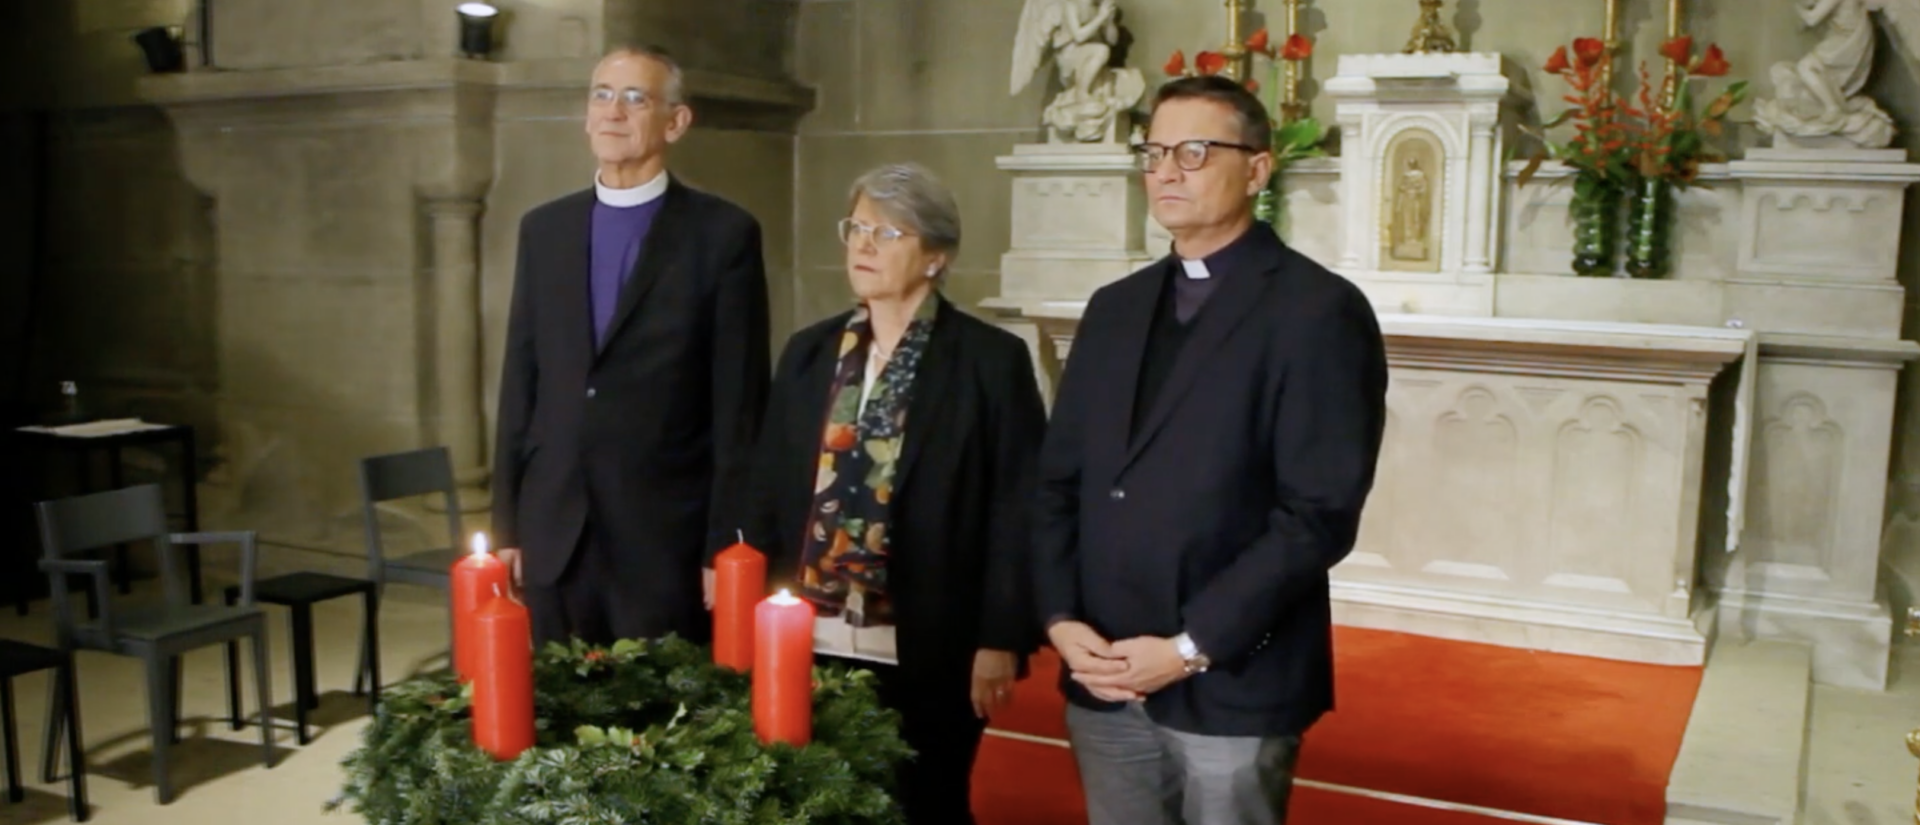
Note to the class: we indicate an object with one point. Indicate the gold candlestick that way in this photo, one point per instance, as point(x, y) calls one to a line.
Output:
point(1430, 35)
point(1671, 87)
point(1292, 108)
point(1235, 50)
point(1611, 38)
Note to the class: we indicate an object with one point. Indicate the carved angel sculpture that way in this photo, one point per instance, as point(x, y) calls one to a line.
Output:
point(1818, 102)
point(1079, 35)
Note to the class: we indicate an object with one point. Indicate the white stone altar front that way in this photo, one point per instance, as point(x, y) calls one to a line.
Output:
point(1604, 466)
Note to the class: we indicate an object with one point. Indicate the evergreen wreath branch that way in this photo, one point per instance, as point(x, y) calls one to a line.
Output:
point(641, 733)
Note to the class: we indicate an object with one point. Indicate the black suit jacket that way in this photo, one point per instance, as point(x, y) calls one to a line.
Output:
point(650, 434)
point(1243, 486)
point(962, 492)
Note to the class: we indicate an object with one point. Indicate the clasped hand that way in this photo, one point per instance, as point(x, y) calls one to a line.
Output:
point(1117, 671)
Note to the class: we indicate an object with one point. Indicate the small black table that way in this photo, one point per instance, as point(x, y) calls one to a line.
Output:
point(84, 447)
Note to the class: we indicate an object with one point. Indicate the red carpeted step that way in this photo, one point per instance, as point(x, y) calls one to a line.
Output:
point(1547, 734)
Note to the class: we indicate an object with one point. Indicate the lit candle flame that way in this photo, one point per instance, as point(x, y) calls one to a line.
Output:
point(479, 544)
point(784, 597)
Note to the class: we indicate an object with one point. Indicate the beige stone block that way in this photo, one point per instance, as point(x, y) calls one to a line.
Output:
point(826, 60)
point(1871, 310)
point(327, 343)
point(273, 34)
point(930, 66)
point(341, 199)
point(829, 164)
point(820, 292)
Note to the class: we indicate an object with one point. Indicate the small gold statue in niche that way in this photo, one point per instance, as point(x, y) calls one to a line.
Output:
point(1412, 187)
point(1412, 212)
point(1430, 35)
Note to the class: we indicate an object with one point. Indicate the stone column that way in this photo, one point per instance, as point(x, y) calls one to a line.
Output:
point(1482, 178)
point(457, 345)
point(1353, 163)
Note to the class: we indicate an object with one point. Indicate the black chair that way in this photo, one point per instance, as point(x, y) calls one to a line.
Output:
point(392, 477)
point(20, 659)
point(299, 592)
point(156, 634)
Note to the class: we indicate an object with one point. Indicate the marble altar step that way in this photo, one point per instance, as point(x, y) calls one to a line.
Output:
point(1743, 760)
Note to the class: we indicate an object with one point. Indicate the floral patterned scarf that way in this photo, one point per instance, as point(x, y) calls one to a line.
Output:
point(844, 560)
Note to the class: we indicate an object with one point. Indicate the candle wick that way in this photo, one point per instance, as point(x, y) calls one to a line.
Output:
point(742, 534)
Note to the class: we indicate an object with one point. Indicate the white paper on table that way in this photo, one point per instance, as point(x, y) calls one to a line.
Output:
point(98, 429)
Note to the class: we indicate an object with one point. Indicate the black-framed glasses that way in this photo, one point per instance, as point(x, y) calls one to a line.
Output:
point(852, 231)
point(629, 97)
point(1190, 155)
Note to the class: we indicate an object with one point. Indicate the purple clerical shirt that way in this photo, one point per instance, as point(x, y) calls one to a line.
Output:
point(618, 232)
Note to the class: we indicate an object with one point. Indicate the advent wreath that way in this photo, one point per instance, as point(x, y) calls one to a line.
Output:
point(642, 733)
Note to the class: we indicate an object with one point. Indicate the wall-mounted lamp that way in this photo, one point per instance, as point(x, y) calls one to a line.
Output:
point(476, 29)
point(162, 48)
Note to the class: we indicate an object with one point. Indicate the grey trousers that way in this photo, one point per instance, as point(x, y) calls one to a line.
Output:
point(1138, 773)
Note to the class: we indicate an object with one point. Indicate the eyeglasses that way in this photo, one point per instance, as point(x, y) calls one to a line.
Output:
point(852, 231)
point(1189, 154)
point(631, 98)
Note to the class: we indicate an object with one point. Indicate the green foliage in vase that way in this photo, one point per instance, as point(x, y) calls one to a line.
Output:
point(642, 733)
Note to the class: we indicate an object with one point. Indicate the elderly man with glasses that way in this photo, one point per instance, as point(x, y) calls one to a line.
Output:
point(1212, 445)
point(634, 379)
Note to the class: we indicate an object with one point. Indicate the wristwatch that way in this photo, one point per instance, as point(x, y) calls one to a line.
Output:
point(1196, 661)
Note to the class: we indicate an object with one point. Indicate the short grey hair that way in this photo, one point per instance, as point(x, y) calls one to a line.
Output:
point(914, 198)
point(676, 90)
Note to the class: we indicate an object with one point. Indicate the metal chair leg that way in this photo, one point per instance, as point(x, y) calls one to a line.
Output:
point(55, 724)
point(263, 685)
point(234, 719)
point(304, 697)
point(160, 717)
point(14, 792)
point(371, 644)
point(76, 753)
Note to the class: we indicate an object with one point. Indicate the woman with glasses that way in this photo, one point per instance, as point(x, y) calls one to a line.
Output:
point(895, 475)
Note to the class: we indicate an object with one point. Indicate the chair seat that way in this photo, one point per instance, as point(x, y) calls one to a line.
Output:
point(19, 658)
point(437, 561)
point(154, 623)
point(295, 589)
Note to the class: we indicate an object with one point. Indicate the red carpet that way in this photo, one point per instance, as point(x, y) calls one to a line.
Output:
point(1585, 739)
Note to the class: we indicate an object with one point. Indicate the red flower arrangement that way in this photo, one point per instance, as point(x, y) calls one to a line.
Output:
point(1293, 139)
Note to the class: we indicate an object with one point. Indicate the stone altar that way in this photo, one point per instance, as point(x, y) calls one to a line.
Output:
point(1738, 414)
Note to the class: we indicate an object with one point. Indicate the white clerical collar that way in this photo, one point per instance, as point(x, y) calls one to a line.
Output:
point(649, 191)
point(1196, 270)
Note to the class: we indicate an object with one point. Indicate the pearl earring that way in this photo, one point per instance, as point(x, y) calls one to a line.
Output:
point(933, 272)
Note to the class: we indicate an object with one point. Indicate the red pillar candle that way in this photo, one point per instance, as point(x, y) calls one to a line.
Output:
point(503, 678)
point(739, 582)
point(783, 670)
point(476, 579)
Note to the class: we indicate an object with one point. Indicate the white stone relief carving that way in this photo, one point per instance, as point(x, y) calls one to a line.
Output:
point(1796, 476)
point(1595, 482)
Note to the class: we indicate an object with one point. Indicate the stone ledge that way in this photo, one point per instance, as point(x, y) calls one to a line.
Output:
point(1742, 761)
point(1508, 622)
point(446, 73)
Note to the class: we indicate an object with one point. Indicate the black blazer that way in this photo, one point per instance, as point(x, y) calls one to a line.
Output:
point(651, 434)
point(962, 492)
point(1222, 515)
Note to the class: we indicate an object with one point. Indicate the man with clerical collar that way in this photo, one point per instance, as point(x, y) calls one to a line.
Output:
point(635, 372)
point(1213, 441)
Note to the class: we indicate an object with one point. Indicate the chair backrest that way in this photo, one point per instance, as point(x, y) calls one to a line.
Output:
point(73, 526)
point(409, 474)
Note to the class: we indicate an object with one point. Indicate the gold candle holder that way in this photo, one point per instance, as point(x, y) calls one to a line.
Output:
point(1235, 50)
point(1292, 108)
point(1610, 37)
point(1670, 89)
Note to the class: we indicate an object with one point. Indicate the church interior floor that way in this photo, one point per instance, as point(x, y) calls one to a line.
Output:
point(1859, 772)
